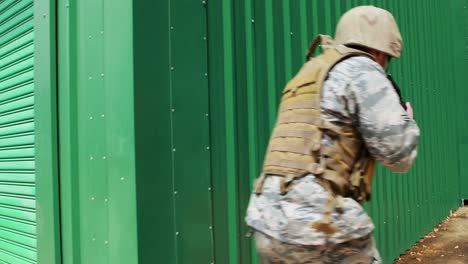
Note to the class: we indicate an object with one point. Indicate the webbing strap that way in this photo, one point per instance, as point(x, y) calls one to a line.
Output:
point(335, 154)
point(294, 148)
point(285, 183)
point(341, 168)
point(311, 120)
point(362, 175)
point(339, 181)
point(324, 40)
point(259, 183)
point(302, 104)
point(369, 176)
point(313, 168)
point(325, 224)
point(334, 128)
point(345, 148)
point(308, 119)
point(297, 133)
point(359, 168)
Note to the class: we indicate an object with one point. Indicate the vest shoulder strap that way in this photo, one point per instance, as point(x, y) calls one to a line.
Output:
point(315, 69)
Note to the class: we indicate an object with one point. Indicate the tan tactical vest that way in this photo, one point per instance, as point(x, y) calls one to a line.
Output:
point(344, 169)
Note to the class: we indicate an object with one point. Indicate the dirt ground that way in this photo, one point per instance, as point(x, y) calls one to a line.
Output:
point(446, 244)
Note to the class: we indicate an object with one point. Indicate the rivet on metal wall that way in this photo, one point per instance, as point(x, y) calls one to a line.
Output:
point(102, 32)
point(208, 148)
point(206, 74)
point(90, 36)
point(67, 5)
point(206, 114)
point(90, 77)
point(172, 110)
point(91, 158)
point(204, 38)
point(90, 118)
point(92, 198)
point(93, 239)
point(210, 227)
point(106, 200)
point(253, 21)
point(106, 242)
point(104, 157)
point(176, 233)
point(102, 74)
point(204, 2)
point(172, 68)
point(102, 115)
point(173, 150)
point(175, 192)
point(209, 189)
point(291, 33)
point(172, 27)
point(122, 178)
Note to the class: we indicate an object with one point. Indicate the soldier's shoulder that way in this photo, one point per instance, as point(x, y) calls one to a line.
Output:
point(358, 65)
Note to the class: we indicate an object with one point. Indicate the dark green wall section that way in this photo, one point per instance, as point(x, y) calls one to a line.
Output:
point(461, 18)
point(153, 133)
point(172, 132)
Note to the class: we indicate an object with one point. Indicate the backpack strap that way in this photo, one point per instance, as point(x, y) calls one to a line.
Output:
point(324, 40)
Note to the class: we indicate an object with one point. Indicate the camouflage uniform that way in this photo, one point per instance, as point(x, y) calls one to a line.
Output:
point(356, 251)
point(356, 93)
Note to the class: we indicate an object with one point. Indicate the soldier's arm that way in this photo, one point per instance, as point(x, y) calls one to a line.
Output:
point(390, 135)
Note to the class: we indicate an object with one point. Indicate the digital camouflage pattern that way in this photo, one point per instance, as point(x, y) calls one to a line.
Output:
point(357, 251)
point(288, 217)
point(357, 94)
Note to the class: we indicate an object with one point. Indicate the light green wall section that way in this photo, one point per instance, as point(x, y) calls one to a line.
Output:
point(97, 163)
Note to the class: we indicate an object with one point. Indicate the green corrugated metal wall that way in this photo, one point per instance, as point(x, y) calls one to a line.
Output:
point(196, 172)
point(172, 132)
point(255, 46)
point(461, 22)
point(179, 97)
point(17, 152)
point(95, 103)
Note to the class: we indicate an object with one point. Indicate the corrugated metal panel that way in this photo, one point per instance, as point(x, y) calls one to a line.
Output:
point(96, 130)
point(172, 132)
point(152, 68)
point(17, 169)
point(193, 171)
point(256, 46)
point(461, 11)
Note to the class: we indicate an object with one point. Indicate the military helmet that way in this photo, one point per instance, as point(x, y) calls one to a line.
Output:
point(370, 27)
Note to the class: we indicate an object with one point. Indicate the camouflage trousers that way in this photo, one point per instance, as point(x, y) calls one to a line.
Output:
point(357, 251)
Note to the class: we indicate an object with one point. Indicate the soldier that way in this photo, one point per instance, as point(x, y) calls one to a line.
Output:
point(337, 116)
